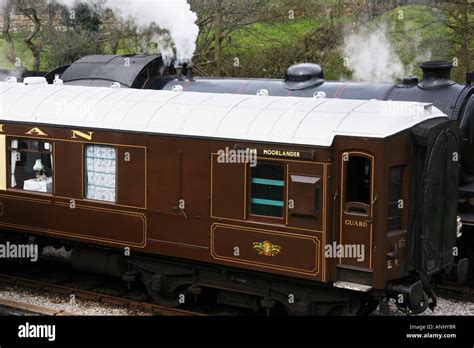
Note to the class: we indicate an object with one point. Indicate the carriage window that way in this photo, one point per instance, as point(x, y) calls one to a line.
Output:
point(395, 187)
point(267, 190)
point(358, 185)
point(31, 165)
point(100, 173)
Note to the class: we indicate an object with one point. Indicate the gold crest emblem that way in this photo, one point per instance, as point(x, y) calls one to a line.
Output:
point(266, 248)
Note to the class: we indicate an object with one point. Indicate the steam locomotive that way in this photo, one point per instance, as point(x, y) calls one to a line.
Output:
point(273, 203)
point(307, 80)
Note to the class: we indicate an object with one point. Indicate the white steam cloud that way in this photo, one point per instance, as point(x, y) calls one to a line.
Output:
point(371, 57)
point(174, 16)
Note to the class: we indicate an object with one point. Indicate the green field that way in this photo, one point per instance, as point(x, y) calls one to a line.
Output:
point(21, 51)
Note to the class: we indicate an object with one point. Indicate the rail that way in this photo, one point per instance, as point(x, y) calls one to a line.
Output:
point(16, 307)
point(93, 296)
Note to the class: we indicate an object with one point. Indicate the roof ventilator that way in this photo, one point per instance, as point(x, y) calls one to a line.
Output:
point(177, 88)
point(35, 80)
point(319, 95)
point(57, 81)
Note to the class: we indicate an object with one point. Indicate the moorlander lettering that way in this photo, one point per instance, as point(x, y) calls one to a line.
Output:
point(281, 153)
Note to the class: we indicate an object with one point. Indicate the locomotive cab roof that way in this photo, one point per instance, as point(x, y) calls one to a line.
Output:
point(102, 70)
point(285, 120)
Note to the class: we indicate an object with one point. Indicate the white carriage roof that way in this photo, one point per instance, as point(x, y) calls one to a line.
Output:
point(303, 121)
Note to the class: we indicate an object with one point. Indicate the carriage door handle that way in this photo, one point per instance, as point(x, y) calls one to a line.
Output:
point(376, 198)
point(182, 211)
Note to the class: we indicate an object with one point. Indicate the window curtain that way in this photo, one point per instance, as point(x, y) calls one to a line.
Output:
point(14, 158)
point(100, 173)
point(49, 147)
point(44, 157)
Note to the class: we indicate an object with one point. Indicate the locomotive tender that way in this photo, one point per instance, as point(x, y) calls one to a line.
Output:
point(313, 206)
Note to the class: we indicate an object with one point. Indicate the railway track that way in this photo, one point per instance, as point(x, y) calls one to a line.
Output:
point(17, 308)
point(84, 295)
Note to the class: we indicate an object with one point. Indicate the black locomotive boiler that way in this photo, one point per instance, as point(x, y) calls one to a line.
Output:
point(307, 80)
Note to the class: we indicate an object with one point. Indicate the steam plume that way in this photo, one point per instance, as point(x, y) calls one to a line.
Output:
point(174, 16)
point(371, 57)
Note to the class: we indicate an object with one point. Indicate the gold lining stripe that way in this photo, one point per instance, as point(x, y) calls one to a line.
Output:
point(22, 198)
point(314, 239)
point(342, 195)
point(287, 198)
point(246, 173)
point(3, 163)
point(93, 208)
point(75, 235)
point(323, 216)
point(81, 236)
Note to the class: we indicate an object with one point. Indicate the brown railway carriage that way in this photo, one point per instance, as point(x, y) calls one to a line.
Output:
point(315, 191)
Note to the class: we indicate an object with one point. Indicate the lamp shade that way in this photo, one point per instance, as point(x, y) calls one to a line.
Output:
point(38, 166)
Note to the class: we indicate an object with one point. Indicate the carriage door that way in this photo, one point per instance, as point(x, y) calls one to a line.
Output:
point(356, 210)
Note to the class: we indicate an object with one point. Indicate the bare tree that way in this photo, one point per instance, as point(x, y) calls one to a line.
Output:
point(458, 16)
point(262, 38)
point(6, 13)
point(41, 14)
point(218, 20)
point(30, 11)
point(218, 37)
